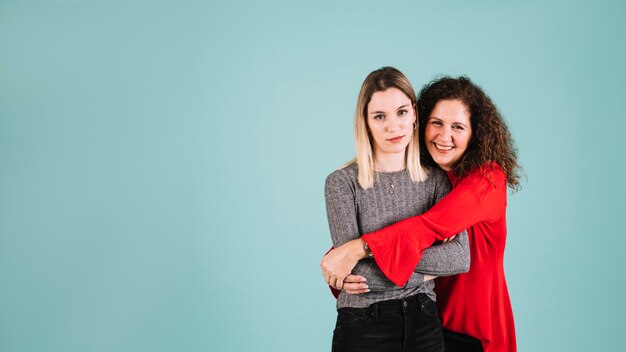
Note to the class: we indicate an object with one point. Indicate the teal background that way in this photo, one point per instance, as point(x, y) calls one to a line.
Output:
point(162, 163)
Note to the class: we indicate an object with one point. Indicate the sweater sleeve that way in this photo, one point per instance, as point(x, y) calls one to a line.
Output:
point(341, 208)
point(480, 196)
point(446, 259)
point(340, 212)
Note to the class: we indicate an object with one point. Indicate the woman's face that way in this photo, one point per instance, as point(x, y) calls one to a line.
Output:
point(390, 118)
point(448, 132)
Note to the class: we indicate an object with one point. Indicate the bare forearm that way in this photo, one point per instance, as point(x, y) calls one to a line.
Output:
point(356, 249)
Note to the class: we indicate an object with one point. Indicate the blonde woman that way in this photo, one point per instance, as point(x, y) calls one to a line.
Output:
point(385, 184)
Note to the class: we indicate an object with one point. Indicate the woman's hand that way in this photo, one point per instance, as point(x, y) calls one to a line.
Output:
point(448, 239)
point(428, 277)
point(338, 263)
point(355, 284)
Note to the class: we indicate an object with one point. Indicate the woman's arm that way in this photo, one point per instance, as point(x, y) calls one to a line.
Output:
point(445, 259)
point(480, 196)
point(341, 212)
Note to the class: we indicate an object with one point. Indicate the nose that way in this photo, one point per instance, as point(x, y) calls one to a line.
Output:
point(395, 125)
point(446, 134)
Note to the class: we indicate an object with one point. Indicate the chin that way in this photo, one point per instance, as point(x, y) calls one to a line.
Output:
point(444, 164)
point(396, 150)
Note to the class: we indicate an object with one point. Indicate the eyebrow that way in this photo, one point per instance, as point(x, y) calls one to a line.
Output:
point(454, 123)
point(382, 112)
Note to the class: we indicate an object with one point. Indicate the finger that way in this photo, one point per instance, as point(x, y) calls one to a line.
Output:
point(324, 273)
point(356, 292)
point(448, 239)
point(354, 287)
point(354, 278)
point(339, 283)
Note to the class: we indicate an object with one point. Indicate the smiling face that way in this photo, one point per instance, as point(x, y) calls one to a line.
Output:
point(390, 118)
point(448, 132)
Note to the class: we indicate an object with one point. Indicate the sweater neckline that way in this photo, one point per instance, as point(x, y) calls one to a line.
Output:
point(391, 173)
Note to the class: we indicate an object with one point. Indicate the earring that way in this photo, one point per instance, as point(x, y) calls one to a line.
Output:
point(414, 125)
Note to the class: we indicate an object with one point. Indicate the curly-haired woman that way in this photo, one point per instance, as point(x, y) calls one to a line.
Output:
point(463, 133)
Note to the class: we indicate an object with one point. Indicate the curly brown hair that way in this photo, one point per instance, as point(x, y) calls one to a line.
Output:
point(491, 140)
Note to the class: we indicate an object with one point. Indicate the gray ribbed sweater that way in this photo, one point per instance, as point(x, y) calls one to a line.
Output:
point(353, 211)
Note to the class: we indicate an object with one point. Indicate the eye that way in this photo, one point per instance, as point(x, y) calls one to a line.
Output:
point(458, 127)
point(436, 123)
point(378, 117)
point(402, 112)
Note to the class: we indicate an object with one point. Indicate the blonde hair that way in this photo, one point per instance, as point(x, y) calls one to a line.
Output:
point(381, 80)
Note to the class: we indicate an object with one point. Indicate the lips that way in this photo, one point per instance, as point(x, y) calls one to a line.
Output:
point(443, 148)
point(395, 139)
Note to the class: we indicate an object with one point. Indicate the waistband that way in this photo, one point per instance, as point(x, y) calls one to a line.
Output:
point(396, 305)
point(401, 304)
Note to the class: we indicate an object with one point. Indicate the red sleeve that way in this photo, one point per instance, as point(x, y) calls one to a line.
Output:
point(480, 196)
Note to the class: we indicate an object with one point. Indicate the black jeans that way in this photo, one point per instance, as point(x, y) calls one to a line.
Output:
point(456, 342)
point(410, 324)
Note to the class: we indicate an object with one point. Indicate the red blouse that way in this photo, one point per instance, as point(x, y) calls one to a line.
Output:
point(475, 303)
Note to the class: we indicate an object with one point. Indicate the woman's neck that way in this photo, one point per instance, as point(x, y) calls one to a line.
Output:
point(389, 162)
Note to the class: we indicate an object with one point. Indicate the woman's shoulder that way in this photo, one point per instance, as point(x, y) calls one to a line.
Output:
point(346, 174)
point(489, 170)
point(485, 177)
point(346, 170)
